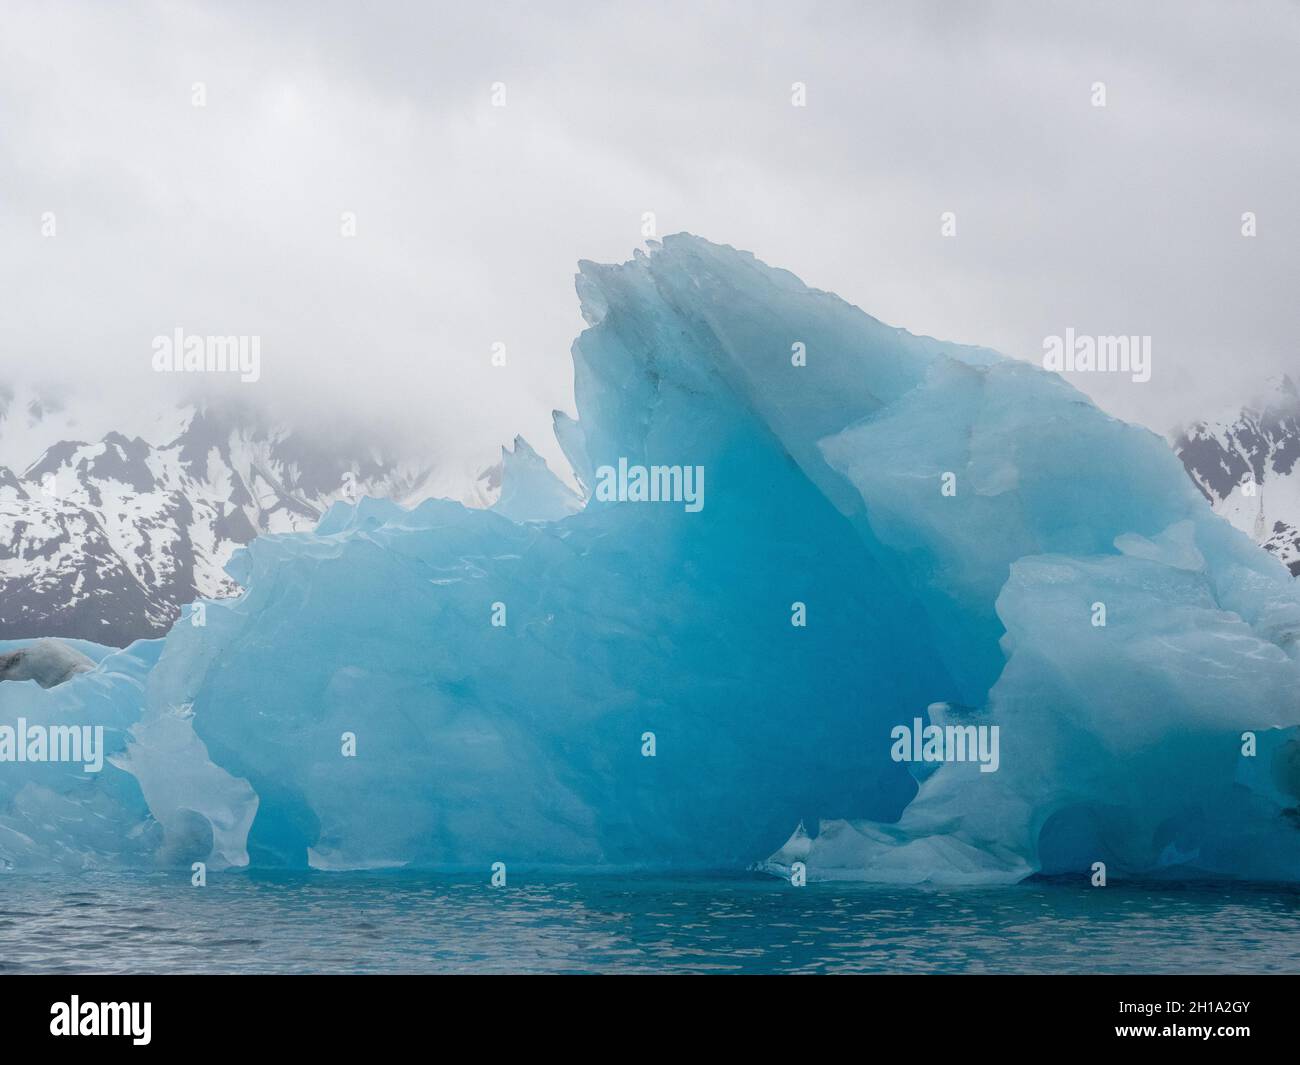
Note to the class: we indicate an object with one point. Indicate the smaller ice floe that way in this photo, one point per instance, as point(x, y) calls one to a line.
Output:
point(48, 662)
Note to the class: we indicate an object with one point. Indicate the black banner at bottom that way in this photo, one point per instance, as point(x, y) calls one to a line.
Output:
point(343, 1013)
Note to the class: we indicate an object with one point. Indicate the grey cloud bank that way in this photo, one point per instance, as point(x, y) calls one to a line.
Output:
point(469, 218)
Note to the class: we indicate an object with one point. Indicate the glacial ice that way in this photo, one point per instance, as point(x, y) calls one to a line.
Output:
point(55, 814)
point(529, 490)
point(500, 672)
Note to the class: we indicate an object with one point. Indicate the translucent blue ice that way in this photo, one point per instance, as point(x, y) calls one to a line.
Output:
point(626, 686)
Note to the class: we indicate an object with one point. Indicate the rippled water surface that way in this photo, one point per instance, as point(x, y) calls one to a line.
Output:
point(421, 923)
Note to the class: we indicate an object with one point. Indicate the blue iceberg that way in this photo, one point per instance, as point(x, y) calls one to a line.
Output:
point(890, 530)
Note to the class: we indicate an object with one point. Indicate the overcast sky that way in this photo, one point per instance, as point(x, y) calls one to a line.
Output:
point(471, 218)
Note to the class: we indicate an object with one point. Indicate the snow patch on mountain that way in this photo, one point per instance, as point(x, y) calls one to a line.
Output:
point(1244, 463)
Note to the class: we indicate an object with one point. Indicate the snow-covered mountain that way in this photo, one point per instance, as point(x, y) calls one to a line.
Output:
point(106, 540)
point(1244, 462)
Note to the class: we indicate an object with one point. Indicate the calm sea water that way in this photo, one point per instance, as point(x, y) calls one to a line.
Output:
point(376, 923)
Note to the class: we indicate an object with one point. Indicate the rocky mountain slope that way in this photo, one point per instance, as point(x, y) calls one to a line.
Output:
point(1244, 463)
point(106, 540)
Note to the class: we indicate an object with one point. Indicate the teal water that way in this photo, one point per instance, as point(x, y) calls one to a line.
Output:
point(380, 923)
